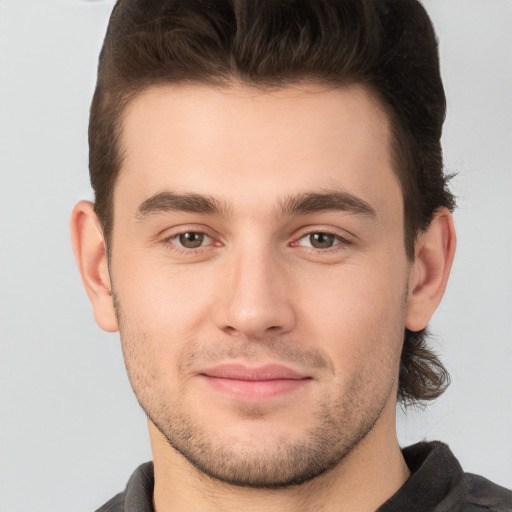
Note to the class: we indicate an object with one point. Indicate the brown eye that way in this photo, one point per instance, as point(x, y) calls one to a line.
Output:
point(321, 240)
point(191, 240)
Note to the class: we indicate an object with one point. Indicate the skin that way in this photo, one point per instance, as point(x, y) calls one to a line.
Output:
point(255, 291)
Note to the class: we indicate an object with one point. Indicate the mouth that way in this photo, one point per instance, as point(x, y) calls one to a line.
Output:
point(254, 383)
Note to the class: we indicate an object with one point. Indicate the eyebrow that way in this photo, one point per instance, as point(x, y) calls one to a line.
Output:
point(300, 204)
point(328, 201)
point(194, 203)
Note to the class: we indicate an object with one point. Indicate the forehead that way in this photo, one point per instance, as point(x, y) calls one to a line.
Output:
point(245, 145)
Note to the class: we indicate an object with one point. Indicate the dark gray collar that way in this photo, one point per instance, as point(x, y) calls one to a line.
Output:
point(437, 484)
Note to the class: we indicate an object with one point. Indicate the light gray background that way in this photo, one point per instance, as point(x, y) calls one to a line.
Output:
point(70, 430)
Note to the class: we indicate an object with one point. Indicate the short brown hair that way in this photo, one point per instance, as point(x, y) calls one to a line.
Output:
point(389, 46)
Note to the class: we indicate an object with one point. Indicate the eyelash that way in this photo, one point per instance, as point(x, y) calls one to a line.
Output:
point(175, 247)
point(341, 242)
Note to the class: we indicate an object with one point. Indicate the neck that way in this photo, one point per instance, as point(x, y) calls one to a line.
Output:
point(370, 474)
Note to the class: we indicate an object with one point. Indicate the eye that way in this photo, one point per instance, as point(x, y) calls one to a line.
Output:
point(191, 239)
point(321, 240)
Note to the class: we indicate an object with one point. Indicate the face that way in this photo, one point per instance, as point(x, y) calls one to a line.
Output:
point(259, 275)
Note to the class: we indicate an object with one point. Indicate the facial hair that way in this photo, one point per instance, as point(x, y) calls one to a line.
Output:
point(339, 421)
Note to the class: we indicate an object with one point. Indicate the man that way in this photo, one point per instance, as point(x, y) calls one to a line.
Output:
point(271, 235)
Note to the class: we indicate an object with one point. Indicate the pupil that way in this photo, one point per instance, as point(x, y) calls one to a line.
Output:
point(191, 240)
point(321, 240)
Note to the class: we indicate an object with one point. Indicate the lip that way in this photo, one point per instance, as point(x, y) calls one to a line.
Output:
point(254, 383)
point(260, 373)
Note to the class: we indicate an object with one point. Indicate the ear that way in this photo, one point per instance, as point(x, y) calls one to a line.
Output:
point(91, 257)
point(434, 253)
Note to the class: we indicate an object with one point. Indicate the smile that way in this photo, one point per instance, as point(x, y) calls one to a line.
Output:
point(254, 384)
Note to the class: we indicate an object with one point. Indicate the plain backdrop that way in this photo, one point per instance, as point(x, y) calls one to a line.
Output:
point(71, 432)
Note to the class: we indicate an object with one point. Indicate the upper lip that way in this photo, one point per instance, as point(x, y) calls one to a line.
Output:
point(260, 373)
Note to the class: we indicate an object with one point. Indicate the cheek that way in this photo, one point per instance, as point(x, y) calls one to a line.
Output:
point(165, 299)
point(165, 313)
point(359, 312)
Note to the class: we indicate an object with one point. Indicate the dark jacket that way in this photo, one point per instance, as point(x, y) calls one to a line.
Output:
point(437, 484)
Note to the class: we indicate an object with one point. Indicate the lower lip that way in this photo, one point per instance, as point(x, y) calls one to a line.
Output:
point(255, 390)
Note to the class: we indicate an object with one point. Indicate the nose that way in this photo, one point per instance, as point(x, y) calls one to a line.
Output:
point(253, 299)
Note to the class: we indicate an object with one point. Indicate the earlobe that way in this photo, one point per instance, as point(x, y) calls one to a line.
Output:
point(91, 257)
point(434, 253)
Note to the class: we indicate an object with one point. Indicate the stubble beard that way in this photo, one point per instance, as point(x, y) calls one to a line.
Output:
point(287, 464)
point(340, 424)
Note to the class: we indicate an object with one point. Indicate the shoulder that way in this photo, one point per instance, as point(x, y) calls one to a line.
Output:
point(116, 504)
point(439, 484)
point(138, 495)
point(482, 494)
